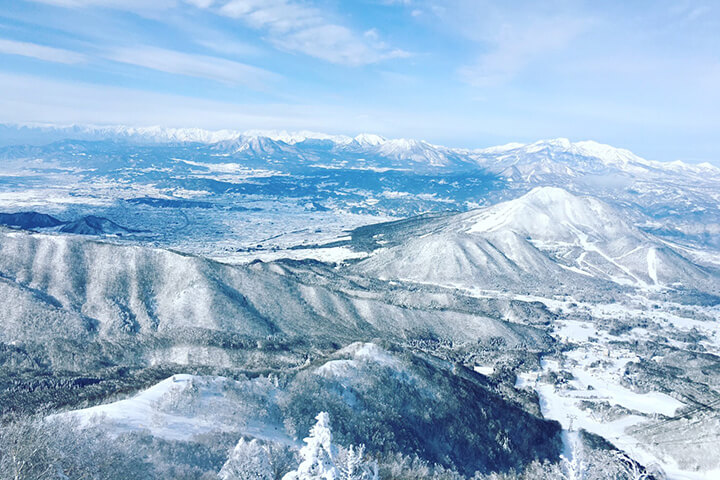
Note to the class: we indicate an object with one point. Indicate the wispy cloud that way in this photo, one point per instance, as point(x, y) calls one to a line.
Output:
point(201, 66)
point(297, 27)
point(228, 46)
point(221, 70)
point(515, 46)
point(289, 25)
point(120, 4)
point(40, 52)
point(506, 37)
point(28, 99)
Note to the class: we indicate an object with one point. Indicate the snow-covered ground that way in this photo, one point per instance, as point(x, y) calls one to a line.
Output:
point(183, 406)
point(591, 393)
point(323, 254)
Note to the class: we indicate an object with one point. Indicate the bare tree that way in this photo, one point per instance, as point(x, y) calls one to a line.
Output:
point(34, 448)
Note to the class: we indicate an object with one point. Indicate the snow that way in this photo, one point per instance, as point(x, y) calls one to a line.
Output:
point(318, 454)
point(370, 139)
point(561, 152)
point(594, 362)
point(400, 148)
point(553, 220)
point(40, 197)
point(576, 270)
point(550, 213)
point(414, 151)
point(238, 170)
point(323, 254)
point(605, 385)
point(576, 331)
point(137, 413)
point(359, 353)
point(484, 370)
point(501, 148)
point(147, 411)
point(562, 405)
point(292, 138)
point(652, 265)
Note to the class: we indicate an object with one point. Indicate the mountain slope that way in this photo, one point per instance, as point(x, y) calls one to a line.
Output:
point(363, 387)
point(129, 292)
point(29, 220)
point(544, 161)
point(560, 158)
point(93, 225)
point(87, 225)
point(545, 237)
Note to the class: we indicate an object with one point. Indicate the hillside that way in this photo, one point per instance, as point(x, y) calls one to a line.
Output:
point(546, 238)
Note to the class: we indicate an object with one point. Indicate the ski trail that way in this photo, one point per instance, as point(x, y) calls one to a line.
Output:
point(591, 247)
point(652, 265)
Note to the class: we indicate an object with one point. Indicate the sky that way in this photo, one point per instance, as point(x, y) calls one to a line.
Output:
point(643, 75)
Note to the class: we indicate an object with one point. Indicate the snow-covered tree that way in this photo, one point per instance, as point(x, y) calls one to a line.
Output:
point(248, 461)
point(632, 469)
point(352, 465)
point(318, 454)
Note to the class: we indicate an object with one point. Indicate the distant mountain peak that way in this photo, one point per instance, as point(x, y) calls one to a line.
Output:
point(561, 143)
point(586, 148)
point(370, 139)
point(553, 214)
point(94, 225)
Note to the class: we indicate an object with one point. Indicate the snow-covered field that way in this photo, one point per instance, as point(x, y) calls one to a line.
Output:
point(585, 386)
point(184, 406)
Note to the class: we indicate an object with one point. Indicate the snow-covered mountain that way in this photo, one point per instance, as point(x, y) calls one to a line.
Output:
point(560, 157)
point(367, 174)
point(253, 142)
point(556, 162)
point(109, 291)
point(587, 156)
point(548, 236)
point(87, 225)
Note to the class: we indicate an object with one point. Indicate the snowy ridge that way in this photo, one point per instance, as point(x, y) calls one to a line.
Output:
point(192, 135)
point(143, 291)
point(552, 156)
point(550, 213)
point(563, 157)
point(547, 235)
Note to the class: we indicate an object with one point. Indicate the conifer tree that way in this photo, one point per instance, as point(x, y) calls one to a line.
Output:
point(248, 461)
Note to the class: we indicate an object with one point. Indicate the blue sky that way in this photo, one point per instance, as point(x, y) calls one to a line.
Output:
point(644, 74)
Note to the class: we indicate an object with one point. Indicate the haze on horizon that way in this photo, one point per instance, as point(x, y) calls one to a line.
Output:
point(469, 73)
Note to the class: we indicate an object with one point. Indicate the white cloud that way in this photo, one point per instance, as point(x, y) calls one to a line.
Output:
point(31, 99)
point(509, 36)
point(517, 45)
point(228, 47)
point(297, 27)
point(336, 44)
point(291, 25)
point(201, 66)
point(120, 4)
point(40, 52)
